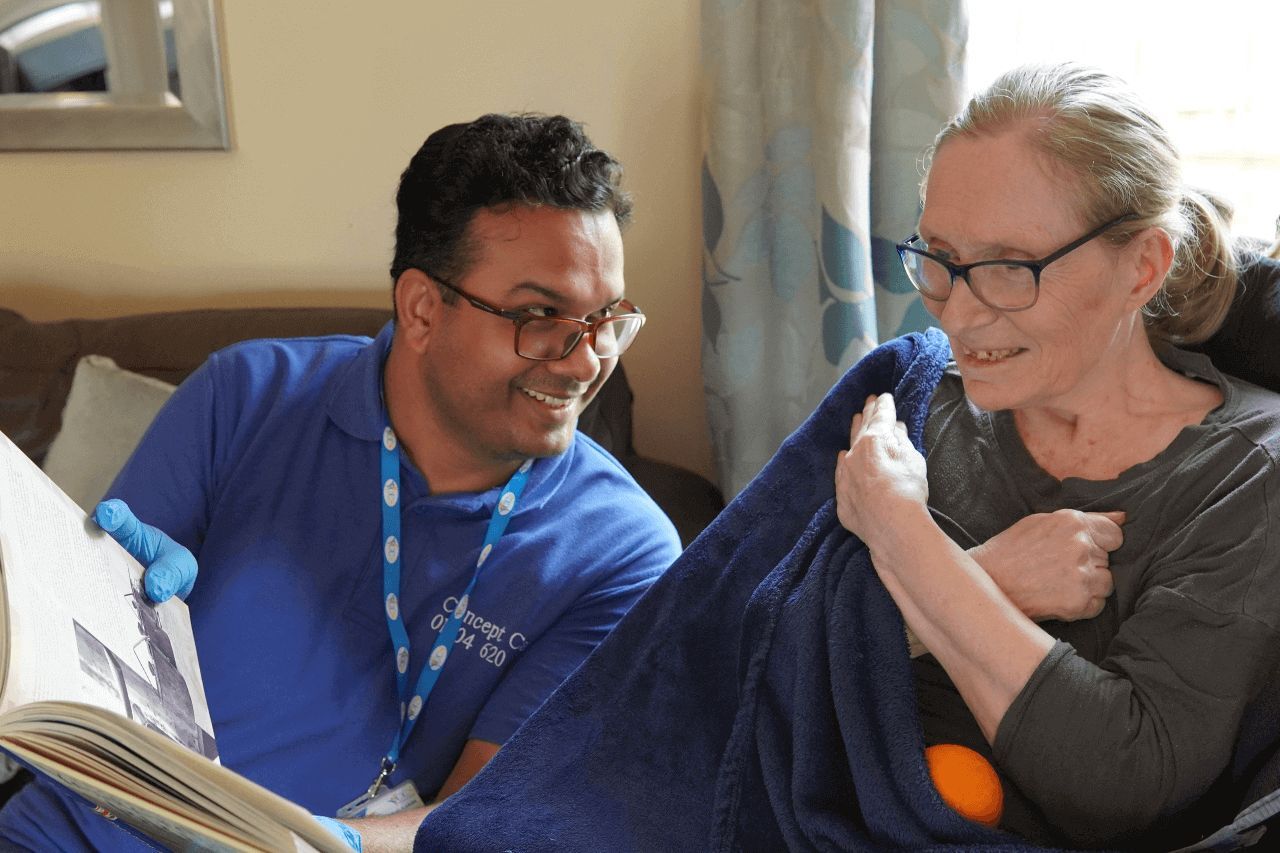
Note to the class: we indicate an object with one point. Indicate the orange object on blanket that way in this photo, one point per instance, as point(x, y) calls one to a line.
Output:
point(966, 781)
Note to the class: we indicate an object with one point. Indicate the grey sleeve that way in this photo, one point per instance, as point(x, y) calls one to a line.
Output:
point(1106, 750)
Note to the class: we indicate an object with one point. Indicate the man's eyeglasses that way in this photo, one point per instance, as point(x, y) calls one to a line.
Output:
point(554, 338)
point(1003, 284)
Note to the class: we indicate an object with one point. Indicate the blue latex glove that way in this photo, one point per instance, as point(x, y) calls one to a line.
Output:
point(171, 568)
point(342, 832)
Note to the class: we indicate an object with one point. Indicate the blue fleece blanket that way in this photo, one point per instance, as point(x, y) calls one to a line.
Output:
point(759, 697)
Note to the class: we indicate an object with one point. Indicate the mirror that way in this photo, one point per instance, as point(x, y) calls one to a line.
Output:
point(102, 74)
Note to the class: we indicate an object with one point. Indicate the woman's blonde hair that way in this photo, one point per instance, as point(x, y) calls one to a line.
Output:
point(1120, 160)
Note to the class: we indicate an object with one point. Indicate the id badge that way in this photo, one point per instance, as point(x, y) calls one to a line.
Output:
point(388, 801)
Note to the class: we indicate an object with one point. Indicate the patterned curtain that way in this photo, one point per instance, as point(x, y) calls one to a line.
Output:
point(816, 113)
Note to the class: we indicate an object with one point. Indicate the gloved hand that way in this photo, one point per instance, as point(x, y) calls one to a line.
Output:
point(170, 568)
point(342, 831)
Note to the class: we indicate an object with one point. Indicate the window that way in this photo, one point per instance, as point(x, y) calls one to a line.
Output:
point(1207, 70)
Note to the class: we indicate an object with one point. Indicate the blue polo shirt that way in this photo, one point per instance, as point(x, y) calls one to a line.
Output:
point(265, 463)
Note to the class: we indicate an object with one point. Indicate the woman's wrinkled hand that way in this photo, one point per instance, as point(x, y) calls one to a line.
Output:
point(1054, 565)
point(880, 474)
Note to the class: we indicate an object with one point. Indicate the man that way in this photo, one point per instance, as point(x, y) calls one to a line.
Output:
point(364, 512)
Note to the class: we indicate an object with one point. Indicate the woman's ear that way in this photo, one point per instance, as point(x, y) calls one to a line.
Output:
point(418, 302)
point(1151, 251)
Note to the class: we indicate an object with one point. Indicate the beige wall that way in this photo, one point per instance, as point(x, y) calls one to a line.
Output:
point(327, 104)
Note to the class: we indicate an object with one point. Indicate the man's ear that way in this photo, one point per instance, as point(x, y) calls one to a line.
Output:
point(1152, 256)
point(418, 305)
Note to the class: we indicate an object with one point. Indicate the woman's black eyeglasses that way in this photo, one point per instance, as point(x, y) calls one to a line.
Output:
point(1004, 284)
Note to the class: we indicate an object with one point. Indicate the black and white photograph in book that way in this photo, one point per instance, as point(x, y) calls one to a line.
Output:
point(151, 690)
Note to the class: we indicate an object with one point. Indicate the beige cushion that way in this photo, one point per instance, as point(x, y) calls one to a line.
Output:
point(107, 411)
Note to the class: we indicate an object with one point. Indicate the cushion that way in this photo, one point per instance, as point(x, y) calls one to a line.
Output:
point(107, 411)
point(38, 359)
point(1248, 344)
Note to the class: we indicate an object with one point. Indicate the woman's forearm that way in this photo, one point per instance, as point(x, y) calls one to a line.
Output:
point(987, 646)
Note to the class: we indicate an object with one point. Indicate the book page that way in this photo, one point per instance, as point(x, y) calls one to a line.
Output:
point(80, 627)
point(159, 820)
point(171, 793)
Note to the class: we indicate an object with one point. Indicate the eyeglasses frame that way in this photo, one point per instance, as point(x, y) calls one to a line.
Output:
point(1036, 267)
point(586, 328)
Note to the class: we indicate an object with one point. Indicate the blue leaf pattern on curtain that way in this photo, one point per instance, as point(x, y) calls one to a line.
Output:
point(886, 266)
point(712, 211)
point(845, 302)
point(812, 140)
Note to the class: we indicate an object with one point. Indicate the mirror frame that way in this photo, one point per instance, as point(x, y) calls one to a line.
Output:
point(139, 111)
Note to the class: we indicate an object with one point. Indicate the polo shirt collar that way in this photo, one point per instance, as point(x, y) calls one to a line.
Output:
point(355, 406)
point(355, 400)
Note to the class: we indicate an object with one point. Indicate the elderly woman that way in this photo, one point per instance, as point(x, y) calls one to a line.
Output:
point(1089, 551)
point(1060, 254)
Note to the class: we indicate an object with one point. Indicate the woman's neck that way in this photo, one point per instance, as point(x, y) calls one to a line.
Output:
point(1116, 421)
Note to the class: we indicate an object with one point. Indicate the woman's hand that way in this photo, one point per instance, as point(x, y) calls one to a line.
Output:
point(881, 473)
point(987, 646)
point(1054, 565)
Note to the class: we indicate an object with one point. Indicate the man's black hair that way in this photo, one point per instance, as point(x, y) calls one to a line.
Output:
point(495, 161)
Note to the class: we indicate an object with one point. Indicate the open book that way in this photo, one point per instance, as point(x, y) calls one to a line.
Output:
point(101, 690)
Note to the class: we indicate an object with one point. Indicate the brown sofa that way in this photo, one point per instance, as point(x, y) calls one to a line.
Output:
point(38, 360)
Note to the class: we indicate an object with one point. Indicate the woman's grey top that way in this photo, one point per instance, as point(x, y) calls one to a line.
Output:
point(1133, 714)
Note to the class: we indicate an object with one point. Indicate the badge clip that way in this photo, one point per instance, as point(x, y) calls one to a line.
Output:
point(388, 767)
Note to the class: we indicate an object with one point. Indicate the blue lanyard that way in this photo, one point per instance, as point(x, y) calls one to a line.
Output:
point(411, 706)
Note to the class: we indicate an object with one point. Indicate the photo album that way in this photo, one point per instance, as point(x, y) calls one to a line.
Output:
point(100, 688)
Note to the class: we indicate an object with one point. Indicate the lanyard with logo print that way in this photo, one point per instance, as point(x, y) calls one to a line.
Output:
point(411, 705)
